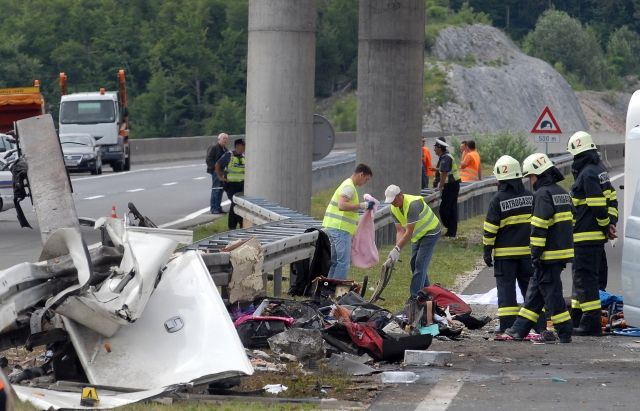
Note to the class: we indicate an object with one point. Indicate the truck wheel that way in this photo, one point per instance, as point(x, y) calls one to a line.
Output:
point(127, 164)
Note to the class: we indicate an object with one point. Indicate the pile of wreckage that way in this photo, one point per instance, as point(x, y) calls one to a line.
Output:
point(137, 317)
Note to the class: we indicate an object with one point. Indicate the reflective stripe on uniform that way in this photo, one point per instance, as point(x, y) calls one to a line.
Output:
point(603, 221)
point(488, 241)
point(508, 311)
point(516, 219)
point(613, 211)
point(591, 305)
point(588, 236)
point(528, 314)
point(575, 303)
point(341, 218)
point(492, 228)
point(610, 195)
point(509, 251)
point(578, 201)
point(537, 241)
point(560, 318)
point(596, 201)
point(557, 254)
point(563, 216)
point(539, 222)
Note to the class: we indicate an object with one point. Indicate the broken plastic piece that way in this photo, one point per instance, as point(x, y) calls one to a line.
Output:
point(398, 377)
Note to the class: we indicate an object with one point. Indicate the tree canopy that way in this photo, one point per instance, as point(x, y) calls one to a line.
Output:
point(186, 60)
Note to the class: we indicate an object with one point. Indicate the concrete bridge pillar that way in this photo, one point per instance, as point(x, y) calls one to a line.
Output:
point(390, 92)
point(280, 101)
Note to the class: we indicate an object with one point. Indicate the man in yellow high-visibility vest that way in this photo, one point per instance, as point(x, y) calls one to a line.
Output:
point(341, 220)
point(415, 223)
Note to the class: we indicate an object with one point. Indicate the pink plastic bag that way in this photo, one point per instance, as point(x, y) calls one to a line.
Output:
point(364, 253)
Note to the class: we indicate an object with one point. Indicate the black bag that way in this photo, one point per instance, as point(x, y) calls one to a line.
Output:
point(254, 333)
point(303, 272)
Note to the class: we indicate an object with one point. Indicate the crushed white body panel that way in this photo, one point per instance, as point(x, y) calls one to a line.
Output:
point(121, 298)
point(185, 335)
point(45, 399)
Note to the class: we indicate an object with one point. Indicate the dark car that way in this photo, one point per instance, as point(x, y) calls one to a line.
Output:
point(81, 153)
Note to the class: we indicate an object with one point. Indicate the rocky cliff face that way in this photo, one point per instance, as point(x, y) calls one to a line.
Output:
point(495, 87)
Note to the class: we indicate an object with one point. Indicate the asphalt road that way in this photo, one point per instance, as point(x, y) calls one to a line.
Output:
point(165, 193)
point(589, 374)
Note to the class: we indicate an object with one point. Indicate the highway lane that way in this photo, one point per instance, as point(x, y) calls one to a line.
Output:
point(164, 192)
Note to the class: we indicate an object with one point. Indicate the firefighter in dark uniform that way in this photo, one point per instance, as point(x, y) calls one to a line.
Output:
point(506, 238)
point(596, 206)
point(551, 248)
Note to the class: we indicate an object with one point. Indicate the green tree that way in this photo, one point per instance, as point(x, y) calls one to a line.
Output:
point(562, 40)
point(623, 51)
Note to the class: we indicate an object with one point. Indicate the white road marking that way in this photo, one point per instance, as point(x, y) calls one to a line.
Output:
point(135, 190)
point(93, 197)
point(193, 215)
point(141, 170)
point(614, 178)
point(199, 178)
point(170, 184)
point(442, 394)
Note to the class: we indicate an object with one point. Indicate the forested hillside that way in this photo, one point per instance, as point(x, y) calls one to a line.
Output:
point(186, 60)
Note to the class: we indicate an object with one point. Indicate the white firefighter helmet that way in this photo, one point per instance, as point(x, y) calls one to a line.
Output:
point(507, 168)
point(580, 142)
point(536, 164)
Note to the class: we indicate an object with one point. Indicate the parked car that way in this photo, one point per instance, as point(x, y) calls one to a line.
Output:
point(81, 153)
point(6, 184)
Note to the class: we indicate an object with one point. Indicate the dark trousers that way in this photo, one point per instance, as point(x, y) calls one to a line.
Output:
point(507, 273)
point(233, 188)
point(425, 178)
point(587, 268)
point(545, 290)
point(603, 275)
point(449, 208)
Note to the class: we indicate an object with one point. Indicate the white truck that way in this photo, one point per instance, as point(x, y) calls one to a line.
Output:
point(631, 219)
point(102, 114)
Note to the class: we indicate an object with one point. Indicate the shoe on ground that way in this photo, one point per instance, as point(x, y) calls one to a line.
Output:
point(217, 212)
point(546, 336)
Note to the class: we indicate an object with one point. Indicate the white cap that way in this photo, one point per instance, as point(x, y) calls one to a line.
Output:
point(391, 192)
point(441, 143)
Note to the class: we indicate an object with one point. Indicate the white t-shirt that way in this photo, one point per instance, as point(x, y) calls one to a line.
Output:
point(348, 192)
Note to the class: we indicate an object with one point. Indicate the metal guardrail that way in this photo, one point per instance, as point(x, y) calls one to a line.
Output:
point(281, 231)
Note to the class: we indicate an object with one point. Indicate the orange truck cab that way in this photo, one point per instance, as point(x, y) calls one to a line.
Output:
point(19, 103)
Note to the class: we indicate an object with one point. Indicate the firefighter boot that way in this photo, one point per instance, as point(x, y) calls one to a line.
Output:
point(564, 331)
point(590, 324)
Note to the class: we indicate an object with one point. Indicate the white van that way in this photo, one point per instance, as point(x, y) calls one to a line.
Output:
point(631, 219)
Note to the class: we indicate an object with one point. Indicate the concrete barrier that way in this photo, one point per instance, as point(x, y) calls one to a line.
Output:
point(150, 150)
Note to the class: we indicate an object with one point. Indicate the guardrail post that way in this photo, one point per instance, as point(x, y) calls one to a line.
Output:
point(277, 282)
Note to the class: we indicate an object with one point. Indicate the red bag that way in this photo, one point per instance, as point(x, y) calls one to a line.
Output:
point(444, 298)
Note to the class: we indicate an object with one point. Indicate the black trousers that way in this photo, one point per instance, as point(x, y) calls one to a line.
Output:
point(545, 290)
point(233, 188)
point(449, 208)
point(508, 272)
point(603, 275)
point(587, 268)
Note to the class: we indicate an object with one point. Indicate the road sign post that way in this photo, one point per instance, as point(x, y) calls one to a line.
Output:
point(545, 125)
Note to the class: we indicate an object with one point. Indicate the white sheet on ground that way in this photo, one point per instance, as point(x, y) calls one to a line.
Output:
point(488, 298)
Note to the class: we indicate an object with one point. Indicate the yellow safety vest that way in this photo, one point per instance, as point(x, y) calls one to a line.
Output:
point(338, 219)
point(454, 169)
point(235, 169)
point(426, 223)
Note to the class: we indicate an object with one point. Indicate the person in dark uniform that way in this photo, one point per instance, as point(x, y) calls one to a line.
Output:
point(551, 249)
point(230, 170)
point(447, 181)
point(506, 238)
point(596, 205)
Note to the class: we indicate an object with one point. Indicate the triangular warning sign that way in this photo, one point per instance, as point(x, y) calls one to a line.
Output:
point(546, 123)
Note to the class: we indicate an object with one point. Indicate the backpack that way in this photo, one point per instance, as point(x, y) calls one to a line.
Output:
point(445, 298)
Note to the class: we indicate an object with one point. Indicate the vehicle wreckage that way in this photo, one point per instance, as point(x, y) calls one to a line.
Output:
point(137, 317)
